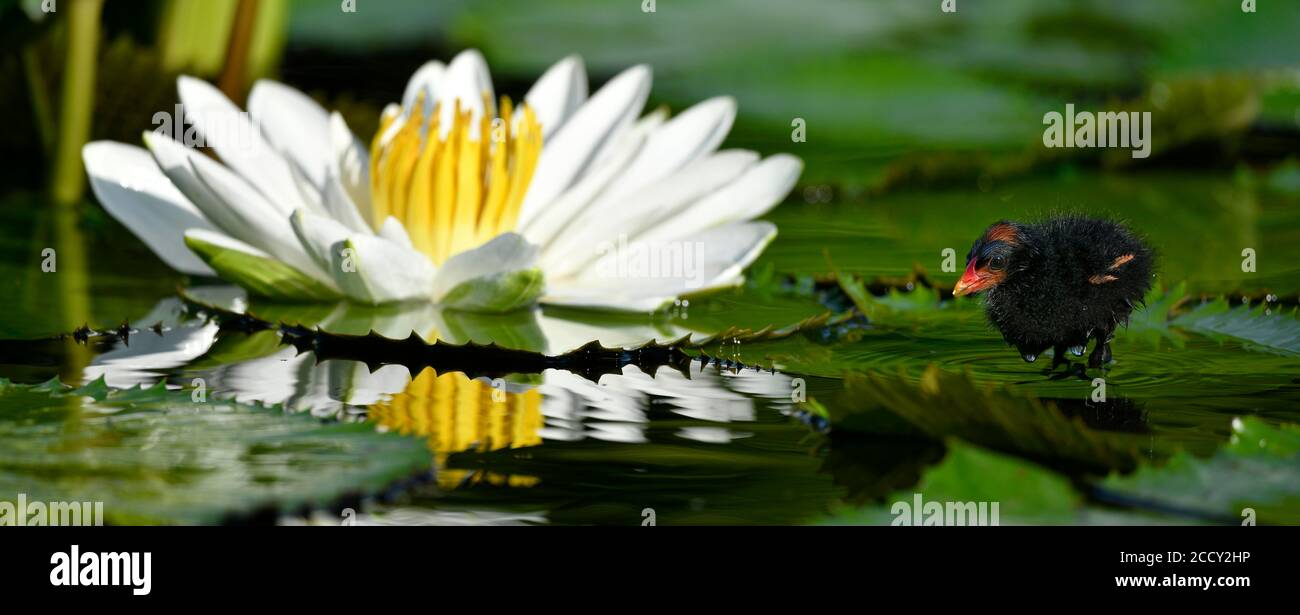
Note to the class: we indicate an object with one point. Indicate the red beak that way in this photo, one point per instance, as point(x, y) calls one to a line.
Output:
point(971, 282)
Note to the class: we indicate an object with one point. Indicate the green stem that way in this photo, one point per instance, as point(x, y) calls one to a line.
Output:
point(72, 284)
point(42, 107)
point(78, 100)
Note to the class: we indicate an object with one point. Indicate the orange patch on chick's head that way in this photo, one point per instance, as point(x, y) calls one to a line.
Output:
point(1004, 232)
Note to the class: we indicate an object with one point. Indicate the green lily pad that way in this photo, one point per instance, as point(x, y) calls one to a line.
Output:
point(1003, 490)
point(1261, 327)
point(158, 456)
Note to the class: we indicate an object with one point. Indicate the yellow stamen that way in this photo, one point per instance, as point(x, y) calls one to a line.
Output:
point(527, 148)
point(422, 190)
point(444, 193)
point(469, 194)
point(380, 205)
point(456, 191)
point(403, 155)
point(498, 177)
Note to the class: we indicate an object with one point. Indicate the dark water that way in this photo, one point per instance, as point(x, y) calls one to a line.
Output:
point(699, 444)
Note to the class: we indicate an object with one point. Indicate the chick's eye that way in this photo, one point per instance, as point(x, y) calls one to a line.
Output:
point(998, 263)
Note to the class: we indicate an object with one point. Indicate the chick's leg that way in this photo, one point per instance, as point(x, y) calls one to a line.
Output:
point(1101, 352)
point(1058, 356)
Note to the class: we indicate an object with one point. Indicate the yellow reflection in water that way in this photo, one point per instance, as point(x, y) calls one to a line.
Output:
point(459, 414)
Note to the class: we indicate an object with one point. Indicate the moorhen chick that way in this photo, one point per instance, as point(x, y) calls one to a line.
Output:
point(1057, 283)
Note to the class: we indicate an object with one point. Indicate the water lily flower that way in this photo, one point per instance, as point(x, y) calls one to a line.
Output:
point(460, 199)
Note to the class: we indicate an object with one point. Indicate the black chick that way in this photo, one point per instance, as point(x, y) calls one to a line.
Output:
point(1057, 283)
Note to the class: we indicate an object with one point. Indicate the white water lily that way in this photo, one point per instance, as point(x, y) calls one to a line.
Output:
point(456, 201)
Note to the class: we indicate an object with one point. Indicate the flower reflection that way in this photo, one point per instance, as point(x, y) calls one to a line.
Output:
point(460, 414)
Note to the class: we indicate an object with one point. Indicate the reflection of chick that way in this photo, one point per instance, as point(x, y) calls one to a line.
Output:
point(461, 414)
point(1057, 283)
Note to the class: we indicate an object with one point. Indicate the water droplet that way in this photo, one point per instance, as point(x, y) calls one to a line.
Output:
point(1029, 358)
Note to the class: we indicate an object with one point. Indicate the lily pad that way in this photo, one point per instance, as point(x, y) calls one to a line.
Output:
point(158, 456)
point(1261, 327)
point(1010, 490)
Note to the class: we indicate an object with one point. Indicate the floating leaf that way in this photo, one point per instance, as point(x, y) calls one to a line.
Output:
point(1261, 327)
point(1255, 437)
point(1007, 489)
point(157, 456)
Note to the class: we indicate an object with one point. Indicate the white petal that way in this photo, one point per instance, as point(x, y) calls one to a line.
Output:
point(395, 118)
point(729, 249)
point(308, 191)
point(350, 167)
point(239, 143)
point(133, 190)
point(753, 194)
point(395, 231)
point(694, 133)
point(644, 126)
point(504, 253)
point(373, 270)
point(174, 160)
point(555, 217)
point(709, 260)
point(339, 205)
point(233, 205)
point(318, 234)
point(600, 119)
point(595, 299)
point(467, 79)
point(558, 93)
point(426, 80)
point(607, 220)
point(295, 125)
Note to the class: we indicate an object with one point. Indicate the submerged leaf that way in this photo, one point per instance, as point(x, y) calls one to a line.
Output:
point(945, 404)
point(1259, 470)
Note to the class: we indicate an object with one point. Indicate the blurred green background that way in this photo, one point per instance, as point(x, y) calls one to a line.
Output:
point(921, 125)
